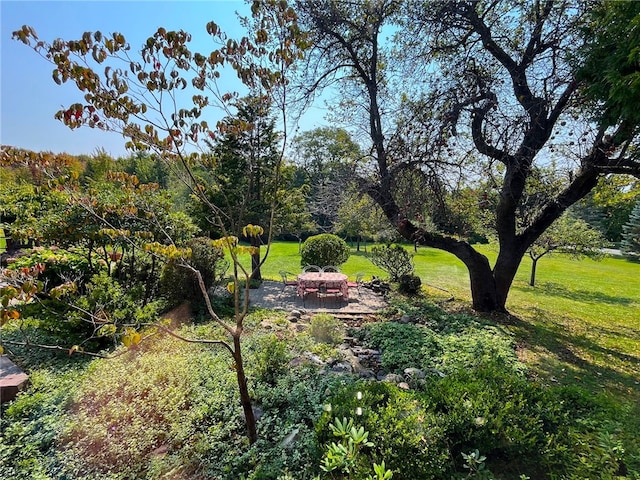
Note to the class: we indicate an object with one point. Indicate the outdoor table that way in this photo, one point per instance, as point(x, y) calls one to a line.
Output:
point(316, 280)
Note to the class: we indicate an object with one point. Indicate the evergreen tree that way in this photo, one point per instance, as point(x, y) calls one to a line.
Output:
point(630, 244)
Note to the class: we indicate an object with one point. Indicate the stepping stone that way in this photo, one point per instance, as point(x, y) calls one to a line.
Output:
point(12, 379)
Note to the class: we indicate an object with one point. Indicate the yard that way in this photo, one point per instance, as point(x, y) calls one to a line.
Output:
point(168, 409)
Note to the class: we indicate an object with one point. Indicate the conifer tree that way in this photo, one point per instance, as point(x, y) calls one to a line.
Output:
point(630, 244)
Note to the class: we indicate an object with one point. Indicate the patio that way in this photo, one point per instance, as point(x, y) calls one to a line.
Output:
point(271, 295)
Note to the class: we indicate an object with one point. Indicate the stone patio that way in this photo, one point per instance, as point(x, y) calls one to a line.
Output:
point(271, 295)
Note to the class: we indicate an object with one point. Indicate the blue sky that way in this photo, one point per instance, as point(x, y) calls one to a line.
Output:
point(29, 97)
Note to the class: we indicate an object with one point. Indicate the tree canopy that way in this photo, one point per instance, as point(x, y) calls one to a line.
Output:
point(480, 90)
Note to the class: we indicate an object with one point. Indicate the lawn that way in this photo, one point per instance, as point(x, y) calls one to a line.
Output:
point(580, 324)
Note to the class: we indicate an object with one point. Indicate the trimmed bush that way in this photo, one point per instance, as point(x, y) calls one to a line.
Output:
point(324, 249)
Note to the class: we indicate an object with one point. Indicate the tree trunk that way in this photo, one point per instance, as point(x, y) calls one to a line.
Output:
point(532, 280)
point(245, 399)
point(255, 259)
point(483, 288)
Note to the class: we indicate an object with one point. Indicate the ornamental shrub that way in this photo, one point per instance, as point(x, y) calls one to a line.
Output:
point(178, 284)
point(324, 249)
point(393, 259)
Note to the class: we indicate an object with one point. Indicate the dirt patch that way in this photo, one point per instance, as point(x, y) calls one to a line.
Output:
point(180, 315)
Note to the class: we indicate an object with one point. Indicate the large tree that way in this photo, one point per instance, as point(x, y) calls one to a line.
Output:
point(489, 90)
point(243, 175)
point(326, 158)
point(166, 99)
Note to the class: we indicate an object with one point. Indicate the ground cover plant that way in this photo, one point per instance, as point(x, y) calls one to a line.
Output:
point(535, 395)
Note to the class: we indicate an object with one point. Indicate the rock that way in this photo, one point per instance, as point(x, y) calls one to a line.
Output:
point(313, 358)
point(414, 372)
point(296, 362)
point(405, 319)
point(342, 367)
point(258, 412)
point(293, 319)
point(366, 373)
point(301, 327)
point(393, 378)
point(404, 386)
point(12, 379)
point(295, 313)
point(349, 356)
point(291, 438)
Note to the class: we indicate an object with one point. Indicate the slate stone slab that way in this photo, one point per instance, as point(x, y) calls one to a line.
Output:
point(12, 379)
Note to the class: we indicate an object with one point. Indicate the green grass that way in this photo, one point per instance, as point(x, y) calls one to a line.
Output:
point(3, 241)
point(580, 324)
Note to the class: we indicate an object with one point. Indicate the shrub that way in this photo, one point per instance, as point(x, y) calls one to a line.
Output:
point(178, 284)
point(404, 433)
point(31, 425)
point(326, 328)
point(60, 265)
point(393, 259)
point(410, 284)
point(271, 358)
point(324, 249)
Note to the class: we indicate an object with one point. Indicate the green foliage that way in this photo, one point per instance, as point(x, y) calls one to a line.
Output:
point(178, 283)
point(60, 264)
point(326, 328)
point(270, 359)
point(631, 234)
point(402, 345)
point(610, 57)
point(324, 249)
point(31, 425)
point(409, 284)
point(128, 407)
point(346, 455)
point(405, 435)
point(393, 259)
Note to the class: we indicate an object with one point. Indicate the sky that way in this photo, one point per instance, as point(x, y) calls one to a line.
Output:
point(29, 98)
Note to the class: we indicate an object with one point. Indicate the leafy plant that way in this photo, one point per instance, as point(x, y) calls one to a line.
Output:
point(393, 259)
point(270, 358)
point(326, 328)
point(409, 284)
point(405, 434)
point(345, 455)
point(179, 283)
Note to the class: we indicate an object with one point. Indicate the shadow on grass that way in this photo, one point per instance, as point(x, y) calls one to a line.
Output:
point(587, 296)
point(569, 360)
